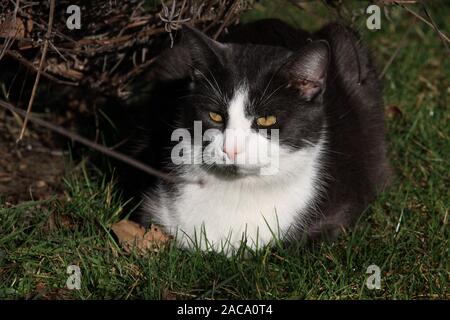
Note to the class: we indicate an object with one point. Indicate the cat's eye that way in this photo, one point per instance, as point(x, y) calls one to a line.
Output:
point(216, 117)
point(266, 121)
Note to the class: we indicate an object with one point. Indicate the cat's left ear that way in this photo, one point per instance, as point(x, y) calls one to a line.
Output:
point(194, 53)
point(306, 69)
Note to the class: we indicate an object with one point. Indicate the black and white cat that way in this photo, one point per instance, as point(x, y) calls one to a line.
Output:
point(313, 100)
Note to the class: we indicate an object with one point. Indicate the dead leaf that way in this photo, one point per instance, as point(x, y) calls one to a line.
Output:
point(130, 235)
point(394, 112)
point(64, 221)
point(63, 69)
point(12, 28)
point(4, 177)
point(155, 234)
point(168, 295)
point(41, 184)
point(46, 293)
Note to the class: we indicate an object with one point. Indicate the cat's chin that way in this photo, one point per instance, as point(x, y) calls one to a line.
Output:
point(233, 171)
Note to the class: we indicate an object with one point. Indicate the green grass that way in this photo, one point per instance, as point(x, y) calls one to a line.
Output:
point(405, 232)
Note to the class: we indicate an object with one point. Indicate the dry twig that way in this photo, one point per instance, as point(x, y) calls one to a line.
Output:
point(441, 34)
point(41, 64)
point(400, 45)
point(100, 148)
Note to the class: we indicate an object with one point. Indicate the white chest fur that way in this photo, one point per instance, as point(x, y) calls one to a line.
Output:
point(221, 213)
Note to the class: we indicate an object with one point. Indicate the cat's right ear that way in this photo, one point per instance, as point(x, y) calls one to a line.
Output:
point(306, 69)
point(193, 55)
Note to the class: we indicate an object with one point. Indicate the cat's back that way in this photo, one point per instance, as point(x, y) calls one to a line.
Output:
point(268, 32)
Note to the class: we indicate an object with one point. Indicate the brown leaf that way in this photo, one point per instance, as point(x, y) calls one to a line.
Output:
point(168, 295)
point(4, 177)
point(12, 29)
point(394, 112)
point(41, 184)
point(56, 221)
point(155, 234)
point(46, 293)
point(130, 235)
point(66, 221)
point(63, 69)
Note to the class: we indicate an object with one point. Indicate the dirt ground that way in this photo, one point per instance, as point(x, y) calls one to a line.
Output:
point(32, 169)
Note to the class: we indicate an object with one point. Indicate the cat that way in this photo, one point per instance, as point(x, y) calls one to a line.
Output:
point(313, 99)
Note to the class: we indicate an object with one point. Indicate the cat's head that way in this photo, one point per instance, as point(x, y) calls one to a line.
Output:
point(256, 105)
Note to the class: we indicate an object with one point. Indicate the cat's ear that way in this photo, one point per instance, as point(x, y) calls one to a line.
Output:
point(203, 51)
point(306, 69)
point(194, 53)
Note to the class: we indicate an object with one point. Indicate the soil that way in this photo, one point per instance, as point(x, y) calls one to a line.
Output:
point(32, 169)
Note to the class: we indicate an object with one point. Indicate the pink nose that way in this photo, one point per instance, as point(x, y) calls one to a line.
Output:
point(231, 150)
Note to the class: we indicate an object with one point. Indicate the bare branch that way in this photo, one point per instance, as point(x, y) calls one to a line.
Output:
point(424, 20)
point(400, 45)
point(17, 56)
point(41, 64)
point(103, 149)
point(439, 32)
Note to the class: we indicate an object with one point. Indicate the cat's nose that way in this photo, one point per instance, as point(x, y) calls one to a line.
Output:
point(231, 149)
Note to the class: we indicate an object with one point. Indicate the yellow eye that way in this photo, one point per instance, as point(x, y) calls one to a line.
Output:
point(215, 117)
point(266, 121)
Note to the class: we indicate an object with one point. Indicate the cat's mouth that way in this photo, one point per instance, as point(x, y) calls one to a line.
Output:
point(223, 171)
point(232, 171)
point(241, 166)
